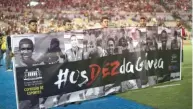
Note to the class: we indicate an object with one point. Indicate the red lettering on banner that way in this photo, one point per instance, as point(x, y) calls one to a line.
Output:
point(106, 71)
point(115, 65)
point(95, 71)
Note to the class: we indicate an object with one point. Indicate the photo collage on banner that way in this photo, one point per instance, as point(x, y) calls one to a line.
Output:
point(57, 69)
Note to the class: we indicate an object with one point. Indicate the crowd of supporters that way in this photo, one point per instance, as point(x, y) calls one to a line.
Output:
point(18, 12)
point(126, 5)
point(58, 15)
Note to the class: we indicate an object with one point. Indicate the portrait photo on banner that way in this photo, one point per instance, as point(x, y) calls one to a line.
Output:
point(168, 38)
point(61, 100)
point(23, 48)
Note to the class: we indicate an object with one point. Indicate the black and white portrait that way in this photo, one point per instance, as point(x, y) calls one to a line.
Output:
point(151, 42)
point(164, 38)
point(135, 37)
point(75, 53)
point(28, 104)
point(24, 55)
point(61, 100)
point(48, 102)
point(176, 41)
point(130, 84)
point(39, 49)
point(54, 54)
point(112, 89)
point(152, 80)
point(94, 93)
point(111, 47)
point(175, 76)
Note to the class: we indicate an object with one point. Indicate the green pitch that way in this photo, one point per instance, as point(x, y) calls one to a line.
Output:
point(174, 97)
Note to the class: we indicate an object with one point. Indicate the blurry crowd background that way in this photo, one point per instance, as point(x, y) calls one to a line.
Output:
point(86, 14)
point(18, 16)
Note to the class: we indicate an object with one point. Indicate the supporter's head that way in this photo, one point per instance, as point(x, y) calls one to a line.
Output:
point(111, 46)
point(26, 48)
point(52, 22)
point(161, 22)
point(7, 31)
point(74, 41)
point(142, 22)
point(178, 23)
point(32, 25)
point(67, 24)
point(104, 22)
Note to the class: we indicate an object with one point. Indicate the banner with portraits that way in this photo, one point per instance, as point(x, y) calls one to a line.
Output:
point(57, 69)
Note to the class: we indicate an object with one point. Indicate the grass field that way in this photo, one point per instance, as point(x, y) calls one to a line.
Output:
point(175, 97)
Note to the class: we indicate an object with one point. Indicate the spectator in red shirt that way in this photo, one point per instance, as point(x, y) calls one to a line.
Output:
point(183, 34)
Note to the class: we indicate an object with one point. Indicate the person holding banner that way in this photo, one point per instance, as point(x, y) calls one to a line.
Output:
point(183, 34)
point(67, 25)
point(6, 48)
point(104, 22)
point(2, 40)
point(9, 54)
point(32, 26)
point(142, 22)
